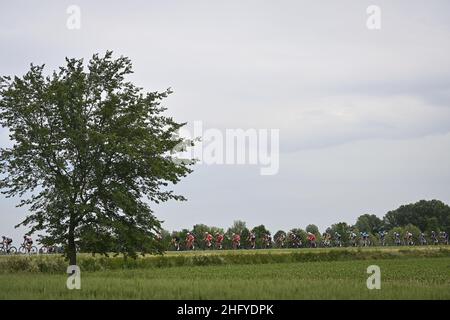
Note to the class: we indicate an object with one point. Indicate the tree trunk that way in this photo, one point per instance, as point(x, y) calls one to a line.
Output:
point(71, 248)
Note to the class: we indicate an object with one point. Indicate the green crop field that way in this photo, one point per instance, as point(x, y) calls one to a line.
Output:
point(418, 273)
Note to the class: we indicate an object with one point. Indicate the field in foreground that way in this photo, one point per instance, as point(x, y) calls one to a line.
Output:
point(403, 278)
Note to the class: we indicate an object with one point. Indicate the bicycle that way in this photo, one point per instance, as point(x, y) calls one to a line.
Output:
point(10, 250)
point(28, 249)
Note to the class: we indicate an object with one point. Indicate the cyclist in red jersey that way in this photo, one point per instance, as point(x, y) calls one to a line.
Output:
point(219, 240)
point(312, 239)
point(236, 241)
point(190, 241)
point(208, 240)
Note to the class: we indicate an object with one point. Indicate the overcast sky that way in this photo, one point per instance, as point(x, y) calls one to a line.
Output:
point(364, 115)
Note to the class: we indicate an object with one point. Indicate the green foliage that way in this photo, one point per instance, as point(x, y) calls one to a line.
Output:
point(369, 223)
point(313, 229)
point(165, 239)
point(426, 215)
point(89, 149)
point(238, 227)
point(344, 230)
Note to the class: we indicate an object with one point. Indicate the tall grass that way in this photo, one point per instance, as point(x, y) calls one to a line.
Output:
point(57, 264)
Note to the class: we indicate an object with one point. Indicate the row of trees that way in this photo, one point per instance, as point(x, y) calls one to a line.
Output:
point(423, 216)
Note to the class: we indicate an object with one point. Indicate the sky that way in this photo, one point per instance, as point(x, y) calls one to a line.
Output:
point(363, 115)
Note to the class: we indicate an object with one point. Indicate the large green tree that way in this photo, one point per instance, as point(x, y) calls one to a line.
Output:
point(90, 152)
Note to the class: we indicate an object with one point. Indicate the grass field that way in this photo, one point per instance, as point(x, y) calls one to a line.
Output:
point(405, 274)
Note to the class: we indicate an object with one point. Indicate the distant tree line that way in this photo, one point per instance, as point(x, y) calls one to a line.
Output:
point(416, 218)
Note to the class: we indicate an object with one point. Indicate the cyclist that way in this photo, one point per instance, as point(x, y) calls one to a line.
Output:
point(353, 239)
point(364, 239)
point(219, 240)
point(6, 241)
point(176, 241)
point(208, 240)
point(328, 237)
point(190, 241)
point(252, 239)
point(236, 241)
point(444, 237)
point(337, 237)
point(422, 239)
point(295, 241)
point(312, 240)
point(280, 240)
point(267, 240)
point(397, 240)
point(27, 241)
point(324, 239)
point(409, 238)
point(382, 235)
point(434, 238)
